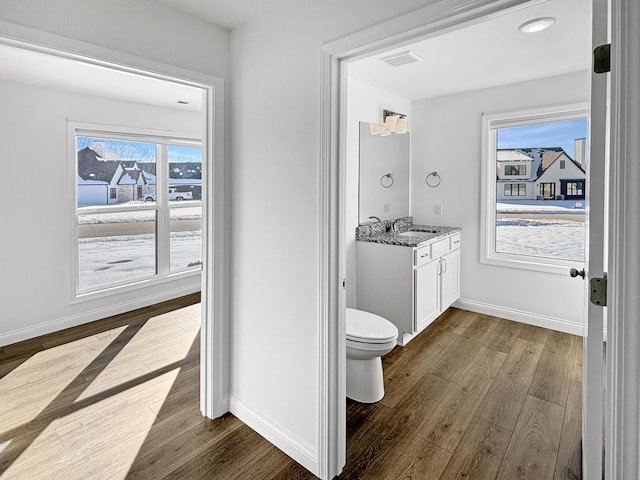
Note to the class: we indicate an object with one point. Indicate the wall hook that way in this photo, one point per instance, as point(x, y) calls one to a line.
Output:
point(433, 179)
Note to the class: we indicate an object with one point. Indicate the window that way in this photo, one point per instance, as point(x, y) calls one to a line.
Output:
point(548, 191)
point(573, 189)
point(543, 229)
point(515, 189)
point(512, 170)
point(138, 209)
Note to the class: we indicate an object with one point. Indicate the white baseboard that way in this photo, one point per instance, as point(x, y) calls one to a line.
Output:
point(538, 320)
point(298, 450)
point(45, 328)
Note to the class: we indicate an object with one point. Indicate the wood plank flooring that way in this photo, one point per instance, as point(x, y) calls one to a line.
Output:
point(473, 396)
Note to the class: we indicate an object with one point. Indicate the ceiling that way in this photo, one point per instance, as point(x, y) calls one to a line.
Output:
point(39, 69)
point(228, 13)
point(489, 53)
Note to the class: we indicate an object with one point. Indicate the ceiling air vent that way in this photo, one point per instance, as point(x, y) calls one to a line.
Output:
point(401, 58)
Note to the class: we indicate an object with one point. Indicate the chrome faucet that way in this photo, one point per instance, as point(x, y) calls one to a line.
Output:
point(376, 218)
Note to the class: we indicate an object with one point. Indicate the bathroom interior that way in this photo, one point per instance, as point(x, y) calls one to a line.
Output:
point(426, 174)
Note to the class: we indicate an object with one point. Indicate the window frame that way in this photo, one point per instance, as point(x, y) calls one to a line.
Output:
point(161, 206)
point(490, 125)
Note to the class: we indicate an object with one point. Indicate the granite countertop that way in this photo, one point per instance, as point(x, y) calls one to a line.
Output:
point(377, 232)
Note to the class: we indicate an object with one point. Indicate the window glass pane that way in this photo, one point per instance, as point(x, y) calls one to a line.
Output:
point(185, 186)
point(115, 172)
point(185, 173)
point(534, 217)
point(115, 247)
point(186, 238)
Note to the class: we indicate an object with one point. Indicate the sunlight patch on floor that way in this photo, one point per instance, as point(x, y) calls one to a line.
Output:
point(46, 377)
point(98, 440)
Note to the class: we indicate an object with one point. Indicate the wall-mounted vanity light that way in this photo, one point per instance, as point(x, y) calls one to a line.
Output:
point(392, 123)
point(433, 179)
point(395, 122)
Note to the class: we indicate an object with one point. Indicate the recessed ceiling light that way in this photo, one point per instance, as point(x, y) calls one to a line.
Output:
point(537, 25)
point(401, 58)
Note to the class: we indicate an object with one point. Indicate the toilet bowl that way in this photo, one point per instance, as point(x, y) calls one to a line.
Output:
point(369, 337)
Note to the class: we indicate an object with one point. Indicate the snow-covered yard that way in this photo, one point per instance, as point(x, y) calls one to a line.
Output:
point(116, 258)
point(543, 236)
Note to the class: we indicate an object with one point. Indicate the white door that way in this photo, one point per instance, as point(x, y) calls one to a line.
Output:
point(593, 381)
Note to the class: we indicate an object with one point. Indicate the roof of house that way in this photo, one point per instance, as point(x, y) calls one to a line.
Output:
point(130, 177)
point(549, 157)
point(511, 155)
point(542, 157)
point(92, 167)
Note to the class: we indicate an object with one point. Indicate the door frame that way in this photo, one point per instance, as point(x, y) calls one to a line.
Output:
point(622, 415)
point(214, 361)
point(433, 20)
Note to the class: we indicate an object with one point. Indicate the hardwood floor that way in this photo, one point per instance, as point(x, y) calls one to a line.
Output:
point(473, 396)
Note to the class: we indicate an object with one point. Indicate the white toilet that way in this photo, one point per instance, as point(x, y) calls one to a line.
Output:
point(369, 336)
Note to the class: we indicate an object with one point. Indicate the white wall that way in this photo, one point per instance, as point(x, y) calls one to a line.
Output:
point(364, 104)
point(275, 66)
point(447, 138)
point(37, 214)
point(143, 28)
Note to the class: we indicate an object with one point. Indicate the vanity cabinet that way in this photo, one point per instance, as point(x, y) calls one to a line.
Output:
point(410, 286)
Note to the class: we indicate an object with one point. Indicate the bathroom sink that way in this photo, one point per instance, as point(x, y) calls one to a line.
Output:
point(418, 233)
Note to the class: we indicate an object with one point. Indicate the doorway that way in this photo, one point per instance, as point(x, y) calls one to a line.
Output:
point(87, 86)
point(339, 62)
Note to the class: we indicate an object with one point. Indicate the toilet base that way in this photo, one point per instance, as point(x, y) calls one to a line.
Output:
point(365, 383)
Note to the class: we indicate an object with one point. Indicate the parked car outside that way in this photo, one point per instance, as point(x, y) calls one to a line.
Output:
point(173, 195)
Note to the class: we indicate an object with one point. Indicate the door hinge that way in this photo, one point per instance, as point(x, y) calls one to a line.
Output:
point(602, 59)
point(598, 290)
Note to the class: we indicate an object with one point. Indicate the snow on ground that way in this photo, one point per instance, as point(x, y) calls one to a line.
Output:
point(110, 260)
point(115, 259)
point(542, 206)
point(188, 210)
point(541, 238)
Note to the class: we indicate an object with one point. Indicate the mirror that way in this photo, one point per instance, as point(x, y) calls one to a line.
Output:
point(384, 175)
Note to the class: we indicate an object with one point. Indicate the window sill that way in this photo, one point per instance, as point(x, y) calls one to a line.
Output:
point(522, 262)
point(155, 281)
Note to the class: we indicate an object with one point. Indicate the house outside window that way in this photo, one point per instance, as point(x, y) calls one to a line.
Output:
point(563, 164)
point(149, 228)
point(515, 189)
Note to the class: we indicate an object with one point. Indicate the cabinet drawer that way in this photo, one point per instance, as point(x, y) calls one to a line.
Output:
point(455, 241)
point(440, 247)
point(422, 255)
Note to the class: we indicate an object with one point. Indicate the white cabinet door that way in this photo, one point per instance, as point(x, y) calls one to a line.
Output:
point(426, 295)
point(450, 278)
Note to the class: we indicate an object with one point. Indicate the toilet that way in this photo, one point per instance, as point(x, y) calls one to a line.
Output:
point(369, 336)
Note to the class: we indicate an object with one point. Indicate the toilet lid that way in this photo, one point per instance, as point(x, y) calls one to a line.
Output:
point(368, 327)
